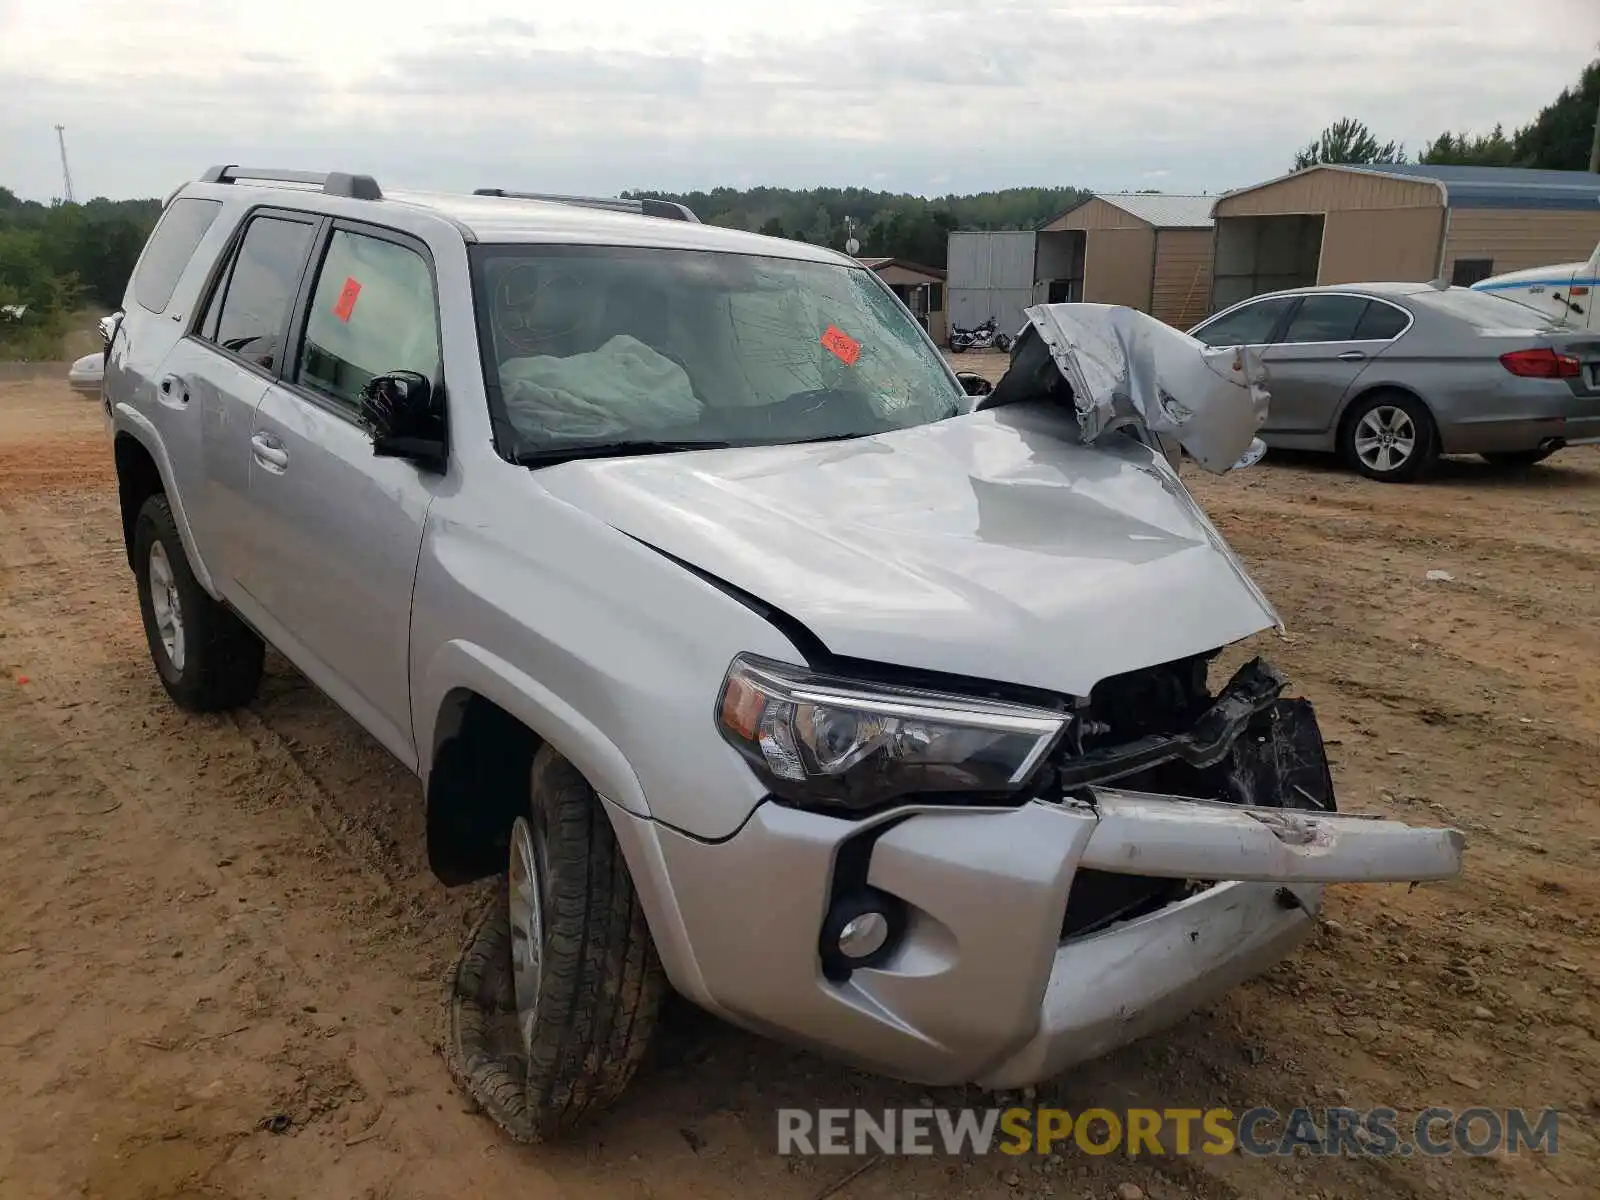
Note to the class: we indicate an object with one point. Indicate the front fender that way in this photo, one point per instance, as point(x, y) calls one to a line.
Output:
point(127, 421)
point(459, 664)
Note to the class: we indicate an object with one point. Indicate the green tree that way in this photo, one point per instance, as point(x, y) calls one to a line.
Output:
point(890, 224)
point(1560, 137)
point(1465, 149)
point(1347, 140)
point(56, 258)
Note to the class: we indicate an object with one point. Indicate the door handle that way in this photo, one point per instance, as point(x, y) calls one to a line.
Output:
point(269, 452)
point(1352, 356)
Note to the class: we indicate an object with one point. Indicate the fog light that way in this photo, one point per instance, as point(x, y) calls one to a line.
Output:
point(862, 930)
point(864, 936)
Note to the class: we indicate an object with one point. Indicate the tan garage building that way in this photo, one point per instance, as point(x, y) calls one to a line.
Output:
point(1355, 224)
point(1150, 251)
point(920, 288)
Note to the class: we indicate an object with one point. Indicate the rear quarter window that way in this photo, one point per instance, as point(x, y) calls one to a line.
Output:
point(1483, 311)
point(171, 246)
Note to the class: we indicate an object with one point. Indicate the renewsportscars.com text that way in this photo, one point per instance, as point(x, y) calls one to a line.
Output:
point(1256, 1132)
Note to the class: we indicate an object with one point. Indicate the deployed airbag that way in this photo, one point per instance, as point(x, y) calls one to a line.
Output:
point(1126, 369)
point(622, 389)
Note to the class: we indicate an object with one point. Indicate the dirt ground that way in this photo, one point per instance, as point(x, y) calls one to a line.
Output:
point(222, 957)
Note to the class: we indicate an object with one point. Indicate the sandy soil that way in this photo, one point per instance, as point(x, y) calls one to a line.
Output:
point(222, 956)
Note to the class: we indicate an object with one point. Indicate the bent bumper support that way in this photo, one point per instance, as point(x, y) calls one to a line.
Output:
point(982, 986)
point(1197, 839)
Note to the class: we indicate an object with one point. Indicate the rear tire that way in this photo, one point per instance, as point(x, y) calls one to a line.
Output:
point(1512, 459)
point(1390, 437)
point(585, 975)
point(207, 658)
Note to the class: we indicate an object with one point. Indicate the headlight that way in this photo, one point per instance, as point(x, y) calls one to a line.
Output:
point(814, 739)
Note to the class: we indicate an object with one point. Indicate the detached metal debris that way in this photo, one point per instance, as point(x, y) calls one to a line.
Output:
point(1127, 369)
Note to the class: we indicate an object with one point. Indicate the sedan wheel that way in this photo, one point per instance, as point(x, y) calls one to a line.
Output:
point(1390, 436)
point(1386, 438)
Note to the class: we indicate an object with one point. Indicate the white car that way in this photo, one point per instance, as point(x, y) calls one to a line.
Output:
point(84, 376)
point(1566, 292)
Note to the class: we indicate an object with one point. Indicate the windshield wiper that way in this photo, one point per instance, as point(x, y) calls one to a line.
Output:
point(546, 456)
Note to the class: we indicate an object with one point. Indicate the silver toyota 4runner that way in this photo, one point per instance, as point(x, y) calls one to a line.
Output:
point(759, 653)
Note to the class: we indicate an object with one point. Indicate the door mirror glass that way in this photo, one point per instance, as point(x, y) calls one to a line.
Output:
point(399, 409)
point(974, 385)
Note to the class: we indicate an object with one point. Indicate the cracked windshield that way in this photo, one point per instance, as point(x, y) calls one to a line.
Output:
point(703, 348)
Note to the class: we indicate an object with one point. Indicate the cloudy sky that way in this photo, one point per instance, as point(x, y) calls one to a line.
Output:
point(927, 96)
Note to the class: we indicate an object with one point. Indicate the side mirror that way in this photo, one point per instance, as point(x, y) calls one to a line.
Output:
point(399, 410)
point(973, 384)
point(108, 326)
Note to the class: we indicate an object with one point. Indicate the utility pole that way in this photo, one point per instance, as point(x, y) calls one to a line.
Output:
point(66, 171)
point(1594, 146)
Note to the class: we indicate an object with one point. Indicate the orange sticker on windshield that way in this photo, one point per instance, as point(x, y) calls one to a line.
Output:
point(843, 346)
point(347, 300)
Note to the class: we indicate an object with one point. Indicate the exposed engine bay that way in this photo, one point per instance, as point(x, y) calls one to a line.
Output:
point(1160, 731)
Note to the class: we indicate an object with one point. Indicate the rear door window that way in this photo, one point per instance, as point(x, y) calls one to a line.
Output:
point(1326, 319)
point(169, 250)
point(1251, 325)
point(249, 312)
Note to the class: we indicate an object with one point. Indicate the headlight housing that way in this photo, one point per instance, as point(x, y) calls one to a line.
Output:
point(819, 740)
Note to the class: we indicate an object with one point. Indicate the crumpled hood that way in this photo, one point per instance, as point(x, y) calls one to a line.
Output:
point(1127, 370)
point(994, 545)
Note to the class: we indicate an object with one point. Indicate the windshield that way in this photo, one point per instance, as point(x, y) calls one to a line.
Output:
point(618, 347)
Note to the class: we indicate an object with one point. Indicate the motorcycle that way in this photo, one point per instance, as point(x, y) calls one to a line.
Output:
point(983, 337)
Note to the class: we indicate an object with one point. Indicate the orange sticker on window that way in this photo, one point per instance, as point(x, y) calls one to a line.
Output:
point(347, 300)
point(843, 346)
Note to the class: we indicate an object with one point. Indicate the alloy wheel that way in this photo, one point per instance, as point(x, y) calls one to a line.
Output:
point(527, 926)
point(1385, 438)
point(166, 606)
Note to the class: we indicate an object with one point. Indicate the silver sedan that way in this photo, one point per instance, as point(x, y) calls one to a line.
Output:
point(1391, 375)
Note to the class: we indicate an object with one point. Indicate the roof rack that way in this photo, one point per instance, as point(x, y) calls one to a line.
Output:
point(647, 207)
point(333, 183)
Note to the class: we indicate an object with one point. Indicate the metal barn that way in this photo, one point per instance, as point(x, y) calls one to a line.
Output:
point(1148, 250)
point(1355, 224)
point(990, 274)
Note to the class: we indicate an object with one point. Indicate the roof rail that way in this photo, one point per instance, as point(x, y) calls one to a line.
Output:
point(334, 183)
point(647, 207)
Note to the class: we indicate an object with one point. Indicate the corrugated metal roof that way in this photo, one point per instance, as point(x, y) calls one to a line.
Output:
point(1499, 187)
point(1164, 210)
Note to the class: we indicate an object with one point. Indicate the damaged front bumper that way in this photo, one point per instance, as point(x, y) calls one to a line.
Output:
point(1024, 940)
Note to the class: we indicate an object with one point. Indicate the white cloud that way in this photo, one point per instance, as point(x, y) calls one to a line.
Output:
point(925, 95)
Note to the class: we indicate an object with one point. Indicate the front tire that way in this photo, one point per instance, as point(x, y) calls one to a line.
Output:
point(207, 658)
point(584, 972)
point(1389, 436)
